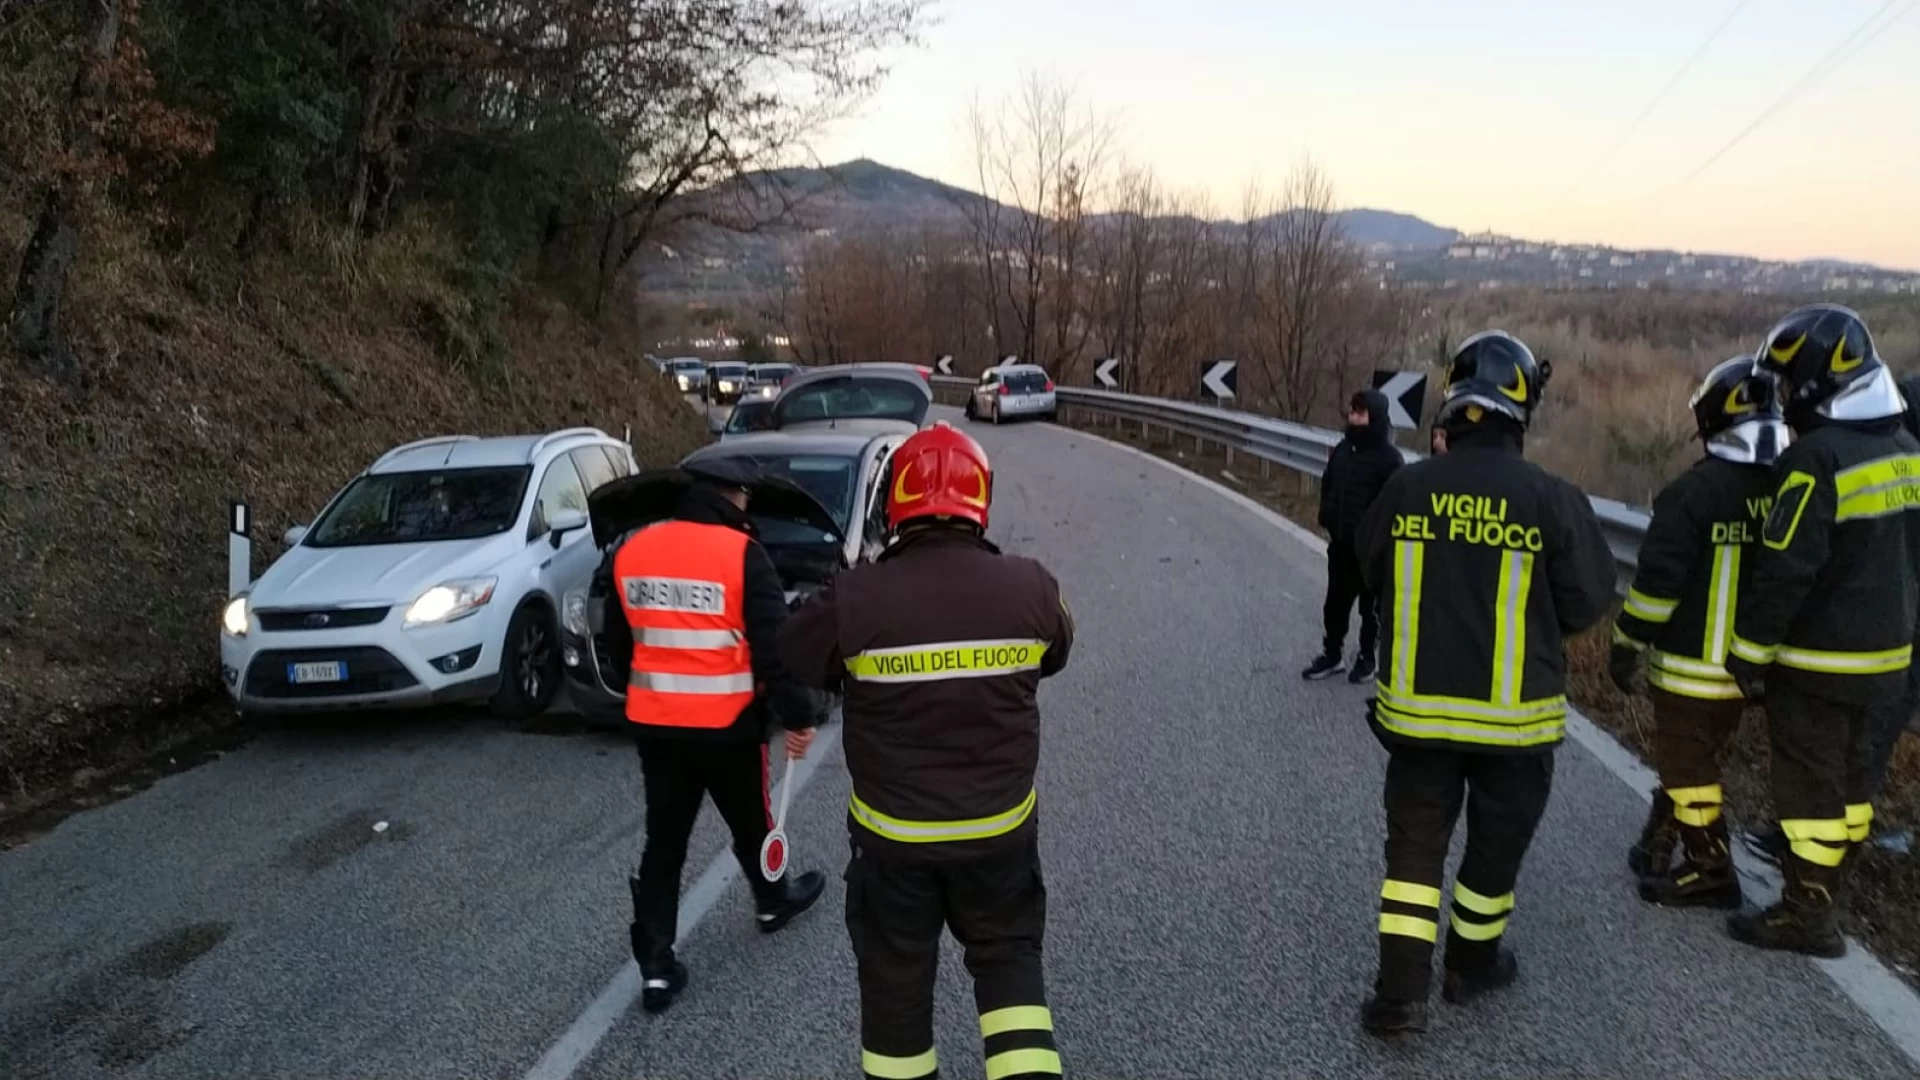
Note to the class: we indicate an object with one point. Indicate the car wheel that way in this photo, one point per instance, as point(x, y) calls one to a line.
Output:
point(996, 416)
point(970, 412)
point(529, 665)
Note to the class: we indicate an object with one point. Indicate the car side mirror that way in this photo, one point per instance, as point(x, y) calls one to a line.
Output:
point(294, 535)
point(566, 521)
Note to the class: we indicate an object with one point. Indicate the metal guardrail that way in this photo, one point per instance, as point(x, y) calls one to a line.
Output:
point(1298, 447)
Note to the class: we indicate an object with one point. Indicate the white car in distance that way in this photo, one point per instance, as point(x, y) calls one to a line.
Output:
point(435, 576)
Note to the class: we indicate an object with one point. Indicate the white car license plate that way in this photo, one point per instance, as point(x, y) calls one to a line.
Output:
point(327, 671)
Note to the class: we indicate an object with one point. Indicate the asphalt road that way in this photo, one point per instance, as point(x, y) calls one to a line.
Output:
point(1212, 841)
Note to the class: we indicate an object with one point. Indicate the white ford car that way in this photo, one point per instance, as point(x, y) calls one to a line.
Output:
point(434, 577)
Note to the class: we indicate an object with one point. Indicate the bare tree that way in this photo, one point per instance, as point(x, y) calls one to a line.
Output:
point(1039, 160)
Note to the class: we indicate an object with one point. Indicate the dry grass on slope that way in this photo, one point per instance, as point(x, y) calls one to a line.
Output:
point(205, 384)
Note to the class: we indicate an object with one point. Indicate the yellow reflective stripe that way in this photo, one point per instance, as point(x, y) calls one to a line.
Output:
point(1845, 663)
point(1015, 1018)
point(1646, 608)
point(1795, 479)
point(1477, 931)
point(1410, 892)
point(1687, 665)
point(1888, 497)
point(1859, 821)
point(1696, 806)
point(1820, 841)
point(1427, 930)
point(1510, 626)
point(1016, 1062)
point(898, 1068)
point(1722, 592)
point(929, 832)
point(1878, 473)
point(1452, 729)
point(947, 660)
point(1469, 709)
point(1703, 689)
point(1621, 637)
point(1481, 904)
point(1750, 652)
point(1409, 567)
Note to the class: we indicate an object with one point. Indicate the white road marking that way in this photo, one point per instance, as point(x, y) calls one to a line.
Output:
point(571, 1050)
point(1890, 1003)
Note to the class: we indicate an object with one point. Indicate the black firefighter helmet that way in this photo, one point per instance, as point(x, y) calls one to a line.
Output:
point(1737, 412)
point(1825, 361)
point(1496, 372)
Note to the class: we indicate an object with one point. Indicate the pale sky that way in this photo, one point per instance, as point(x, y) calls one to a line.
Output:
point(1475, 114)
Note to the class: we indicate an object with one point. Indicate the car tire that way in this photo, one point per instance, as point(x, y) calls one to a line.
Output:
point(529, 665)
point(970, 412)
point(1051, 418)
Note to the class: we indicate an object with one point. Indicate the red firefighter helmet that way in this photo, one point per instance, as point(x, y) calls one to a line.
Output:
point(939, 472)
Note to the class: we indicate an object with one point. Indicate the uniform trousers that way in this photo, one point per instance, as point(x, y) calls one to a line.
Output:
point(1505, 796)
point(996, 906)
point(1690, 739)
point(679, 774)
point(1823, 759)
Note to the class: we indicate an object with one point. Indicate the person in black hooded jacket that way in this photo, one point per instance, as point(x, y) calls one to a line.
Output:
point(1356, 471)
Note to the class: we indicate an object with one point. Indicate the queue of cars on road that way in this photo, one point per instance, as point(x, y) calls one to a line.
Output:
point(461, 569)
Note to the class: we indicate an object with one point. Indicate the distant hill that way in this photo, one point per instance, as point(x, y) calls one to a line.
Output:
point(700, 261)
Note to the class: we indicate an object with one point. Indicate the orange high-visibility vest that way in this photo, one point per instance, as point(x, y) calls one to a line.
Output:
point(682, 585)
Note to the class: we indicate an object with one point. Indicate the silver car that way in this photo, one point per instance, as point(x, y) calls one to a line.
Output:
point(1012, 391)
point(689, 374)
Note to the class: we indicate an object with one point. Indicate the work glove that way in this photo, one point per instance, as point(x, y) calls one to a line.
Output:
point(1750, 677)
point(1623, 666)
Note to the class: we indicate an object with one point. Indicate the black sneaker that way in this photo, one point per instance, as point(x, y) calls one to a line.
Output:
point(801, 895)
point(1362, 669)
point(1326, 665)
point(658, 991)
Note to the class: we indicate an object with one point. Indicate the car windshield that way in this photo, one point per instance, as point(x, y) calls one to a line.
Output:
point(686, 365)
point(827, 478)
point(751, 414)
point(730, 371)
point(417, 507)
point(853, 398)
point(772, 372)
point(1025, 382)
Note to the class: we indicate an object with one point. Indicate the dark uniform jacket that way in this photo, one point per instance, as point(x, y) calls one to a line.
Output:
point(781, 699)
point(1483, 562)
point(1835, 583)
point(1694, 566)
point(939, 646)
point(1357, 469)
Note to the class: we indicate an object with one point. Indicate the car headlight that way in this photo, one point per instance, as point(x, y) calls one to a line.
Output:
point(573, 613)
point(233, 618)
point(726, 385)
point(449, 601)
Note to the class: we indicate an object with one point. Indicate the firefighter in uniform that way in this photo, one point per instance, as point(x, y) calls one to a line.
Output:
point(939, 647)
point(1825, 628)
point(1679, 614)
point(703, 605)
point(1483, 563)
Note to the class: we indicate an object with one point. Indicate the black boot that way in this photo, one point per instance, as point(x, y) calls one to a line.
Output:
point(1465, 982)
point(1705, 876)
point(1327, 664)
point(1654, 850)
point(1384, 1016)
point(1804, 921)
point(658, 990)
point(799, 895)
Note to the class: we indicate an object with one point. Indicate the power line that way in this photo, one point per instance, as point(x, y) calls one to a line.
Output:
point(1654, 103)
point(1813, 76)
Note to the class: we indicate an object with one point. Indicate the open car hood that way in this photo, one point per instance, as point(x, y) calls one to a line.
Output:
point(630, 502)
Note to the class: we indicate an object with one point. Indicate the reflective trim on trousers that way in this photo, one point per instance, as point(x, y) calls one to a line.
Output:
point(1845, 663)
point(889, 1067)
